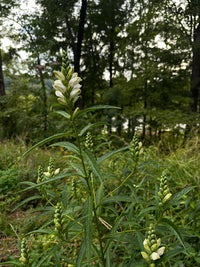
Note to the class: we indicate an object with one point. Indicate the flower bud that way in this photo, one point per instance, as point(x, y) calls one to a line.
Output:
point(59, 75)
point(167, 197)
point(145, 256)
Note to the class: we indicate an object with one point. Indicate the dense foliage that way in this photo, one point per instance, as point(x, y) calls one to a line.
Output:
point(139, 55)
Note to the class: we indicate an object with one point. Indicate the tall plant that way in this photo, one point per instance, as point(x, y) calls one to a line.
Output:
point(97, 212)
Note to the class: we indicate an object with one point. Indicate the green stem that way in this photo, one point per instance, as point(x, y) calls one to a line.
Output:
point(90, 193)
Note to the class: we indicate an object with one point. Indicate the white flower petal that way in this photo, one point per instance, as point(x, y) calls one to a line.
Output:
point(58, 85)
point(74, 93)
point(145, 242)
point(59, 94)
point(77, 86)
point(155, 256)
point(57, 171)
point(74, 81)
point(47, 174)
point(160, 251)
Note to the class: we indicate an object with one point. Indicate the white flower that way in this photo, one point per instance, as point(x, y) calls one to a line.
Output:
point(74, 80)
point(74, 93)
point(47, 174)
point(59, 75)
point(155, 256)
point(59, 94)
point(57, 171)
point(77, 86)
point(160, 251)
point(59, 86)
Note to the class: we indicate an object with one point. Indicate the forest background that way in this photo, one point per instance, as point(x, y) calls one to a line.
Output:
point(142, 56)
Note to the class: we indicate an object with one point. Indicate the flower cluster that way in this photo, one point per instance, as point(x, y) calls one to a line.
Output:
point(67, 86)
point(88, 141)
point(164, 193)
point(135, 148)
point(152, 247)
point(24, 257)
point(51, 169)
point(59, 219)
point(40, 179)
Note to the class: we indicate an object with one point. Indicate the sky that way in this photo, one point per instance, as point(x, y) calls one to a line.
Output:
point(27, 6)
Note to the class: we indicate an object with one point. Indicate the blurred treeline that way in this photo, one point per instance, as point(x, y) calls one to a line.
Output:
point(140, 55)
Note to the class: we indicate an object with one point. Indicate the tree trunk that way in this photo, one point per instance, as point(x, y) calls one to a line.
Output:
point(2, 87)
point(195, 77)
point(77, 55)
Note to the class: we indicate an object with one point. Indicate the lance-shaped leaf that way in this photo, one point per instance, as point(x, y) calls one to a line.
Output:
point(53, 137)
point(93, 108)
point(93, 164)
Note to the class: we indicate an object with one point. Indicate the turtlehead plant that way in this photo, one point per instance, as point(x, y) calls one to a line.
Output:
point(51, 171)
point(59, 219)
point(135, 148)
point(88, 141)
point(164, 193)
point(67, 87)
point(24, 256)
point(153, 251)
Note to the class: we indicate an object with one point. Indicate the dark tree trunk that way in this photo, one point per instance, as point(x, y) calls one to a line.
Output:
point(195, 77)
point(111, 57)
point(77, 55)
point(2, 87)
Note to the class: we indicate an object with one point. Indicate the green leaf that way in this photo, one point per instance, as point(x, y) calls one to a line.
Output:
point(69, 146)
point(102, 158)
point(140, 238)
point(80, 255)
point(57, 177)
point(174, 229)
point(26, 201)
point(93, 108)
point(108, 264)
point(180, 194)
point(86, 128)
point(88, 228)
point(171, 253)
point(14, 263)
point(92, 163)
point(63, 113)
point(117, 198)
point(99, 196)
point(45, 141)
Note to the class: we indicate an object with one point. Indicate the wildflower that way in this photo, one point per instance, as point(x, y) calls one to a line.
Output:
point(67, 87)
point(24, 257)
point(88, 141)
point(59, 218)
point(164, 193)
point(135, 148)
point(59, 86)
point(51, 171)
point(152, 246)
point(74, 81)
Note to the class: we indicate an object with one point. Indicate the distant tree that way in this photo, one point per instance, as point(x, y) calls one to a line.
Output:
point(5, 8)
